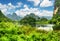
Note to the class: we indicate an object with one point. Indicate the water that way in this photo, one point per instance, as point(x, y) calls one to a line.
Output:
point(46, 27)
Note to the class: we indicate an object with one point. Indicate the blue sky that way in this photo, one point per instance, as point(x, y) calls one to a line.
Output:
point(24, 7)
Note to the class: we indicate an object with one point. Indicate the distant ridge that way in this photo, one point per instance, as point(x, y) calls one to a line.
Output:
point(14, 16)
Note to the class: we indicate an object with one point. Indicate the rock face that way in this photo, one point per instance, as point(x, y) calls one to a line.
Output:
point(56, 10)
point(57, 7)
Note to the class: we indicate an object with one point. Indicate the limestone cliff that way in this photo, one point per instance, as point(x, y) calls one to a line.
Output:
point(57, 7)
point(56, 10)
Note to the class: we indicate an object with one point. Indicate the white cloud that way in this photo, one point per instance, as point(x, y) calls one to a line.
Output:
point(36, 2)
point(10, 6)
point(46, 13)
point(6, 8)
point(25, 6)
point(23, 12)
point(19, 4)
point(26, 10)
point(46, 3)
point(2, 6)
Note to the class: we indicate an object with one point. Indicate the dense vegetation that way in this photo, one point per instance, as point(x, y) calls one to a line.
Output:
point(14, 32)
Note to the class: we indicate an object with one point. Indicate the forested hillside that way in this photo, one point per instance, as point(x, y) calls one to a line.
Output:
point(33, 20)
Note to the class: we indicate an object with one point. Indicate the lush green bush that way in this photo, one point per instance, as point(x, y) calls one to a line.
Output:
point(56, 27)
point(14, 32)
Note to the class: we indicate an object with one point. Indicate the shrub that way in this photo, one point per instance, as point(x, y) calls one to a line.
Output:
point(56, 27)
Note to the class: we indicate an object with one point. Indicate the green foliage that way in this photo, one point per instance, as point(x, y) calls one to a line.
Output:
point(42, 21)
point(56, 27)
point(4, 38)
point(13, 32)
point(57, 3)
point(52, 21)
point(55, 19)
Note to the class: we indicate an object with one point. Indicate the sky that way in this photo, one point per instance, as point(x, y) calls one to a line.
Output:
point(24, 7)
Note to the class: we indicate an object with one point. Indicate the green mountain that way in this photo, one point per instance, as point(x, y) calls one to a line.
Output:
point(3, 17)
point(30, 19)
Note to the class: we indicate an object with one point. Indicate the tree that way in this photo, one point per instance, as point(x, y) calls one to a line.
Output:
point(43, 19)
point(57, 3)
